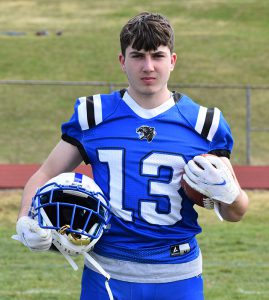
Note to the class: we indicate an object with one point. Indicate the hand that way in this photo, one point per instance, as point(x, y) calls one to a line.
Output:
point(32, 235)
point(210, 176)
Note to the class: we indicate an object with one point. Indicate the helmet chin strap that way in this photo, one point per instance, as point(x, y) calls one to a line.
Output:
point(85, 254)
point(101, 270)
point(67, 257)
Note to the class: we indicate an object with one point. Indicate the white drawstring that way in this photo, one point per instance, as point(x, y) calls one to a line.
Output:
point(216, 209)
point(86, 255)
point(102, 271)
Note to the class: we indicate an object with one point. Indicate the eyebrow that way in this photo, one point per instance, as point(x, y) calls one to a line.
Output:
point(139, 52)
point(136, 52)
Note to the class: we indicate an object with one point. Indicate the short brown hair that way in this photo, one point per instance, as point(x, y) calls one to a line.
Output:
point(147, 31)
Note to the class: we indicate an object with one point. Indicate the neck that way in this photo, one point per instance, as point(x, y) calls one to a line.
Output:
point(149, 100)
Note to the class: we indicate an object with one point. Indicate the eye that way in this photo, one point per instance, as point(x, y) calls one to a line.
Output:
point(137, 55)
point(158, 55)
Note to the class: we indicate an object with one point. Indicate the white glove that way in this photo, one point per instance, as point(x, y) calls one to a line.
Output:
point(32, 235)
point(212, 178)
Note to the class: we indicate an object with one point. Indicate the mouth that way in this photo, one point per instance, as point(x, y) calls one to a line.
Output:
point(148, 80)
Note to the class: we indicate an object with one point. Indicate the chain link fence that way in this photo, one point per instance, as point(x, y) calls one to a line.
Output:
point(33, 110)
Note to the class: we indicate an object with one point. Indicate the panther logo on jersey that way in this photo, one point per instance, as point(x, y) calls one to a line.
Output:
point(146, 132)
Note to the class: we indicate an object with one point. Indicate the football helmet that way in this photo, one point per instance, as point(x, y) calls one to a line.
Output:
point(76, 210)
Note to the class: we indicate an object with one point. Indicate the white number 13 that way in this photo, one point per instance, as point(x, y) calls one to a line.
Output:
point(149, 167)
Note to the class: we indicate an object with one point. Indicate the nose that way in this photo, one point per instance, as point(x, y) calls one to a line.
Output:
point(148, 65)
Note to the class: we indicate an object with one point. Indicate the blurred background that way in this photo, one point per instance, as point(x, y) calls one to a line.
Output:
point(55, 51)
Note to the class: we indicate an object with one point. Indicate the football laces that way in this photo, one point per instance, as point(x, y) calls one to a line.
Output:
point(208, 203)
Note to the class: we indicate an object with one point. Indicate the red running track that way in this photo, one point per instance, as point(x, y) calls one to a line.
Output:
point(14, 176)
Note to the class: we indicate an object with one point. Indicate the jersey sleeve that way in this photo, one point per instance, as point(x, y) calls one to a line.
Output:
point(222, 141)
point(210, 124)
point(89, 112)
point(73, 130)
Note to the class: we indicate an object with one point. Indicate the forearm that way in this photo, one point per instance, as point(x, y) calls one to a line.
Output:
point(235, 211)
point(36, 181)
point(63, 158)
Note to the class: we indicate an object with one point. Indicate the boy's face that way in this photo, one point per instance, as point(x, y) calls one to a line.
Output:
point(148, 71)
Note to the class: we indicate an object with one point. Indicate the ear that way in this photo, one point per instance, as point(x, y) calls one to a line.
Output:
point(173, 61)
point(122, 61)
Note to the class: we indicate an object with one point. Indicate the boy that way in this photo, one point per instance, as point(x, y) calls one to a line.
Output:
point(138, 142)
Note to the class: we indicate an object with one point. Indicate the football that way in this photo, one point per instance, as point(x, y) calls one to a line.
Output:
point(195, 196)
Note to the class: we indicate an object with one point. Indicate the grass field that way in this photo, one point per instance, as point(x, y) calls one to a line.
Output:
point(235, 258)
point(217, 41)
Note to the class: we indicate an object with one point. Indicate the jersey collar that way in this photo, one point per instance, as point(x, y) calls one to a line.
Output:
point(147, 113)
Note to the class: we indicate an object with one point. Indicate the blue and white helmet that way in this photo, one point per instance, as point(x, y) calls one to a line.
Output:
point(75, 208)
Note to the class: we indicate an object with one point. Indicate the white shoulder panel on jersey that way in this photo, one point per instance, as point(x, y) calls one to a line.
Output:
point(97, 109)
point(90, 111)
point(82, 114)
point(207, 122)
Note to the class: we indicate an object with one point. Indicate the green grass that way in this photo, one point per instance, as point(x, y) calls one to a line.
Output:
point(29, 275)
point(235, 258)
point(218, 42)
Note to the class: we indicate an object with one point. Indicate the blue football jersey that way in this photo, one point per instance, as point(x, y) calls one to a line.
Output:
point(137, 158)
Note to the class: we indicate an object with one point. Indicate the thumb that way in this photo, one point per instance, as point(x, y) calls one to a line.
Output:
point(43, 233)
point(16, 237)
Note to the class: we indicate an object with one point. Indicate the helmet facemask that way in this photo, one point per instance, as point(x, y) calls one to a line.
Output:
point(78, 216)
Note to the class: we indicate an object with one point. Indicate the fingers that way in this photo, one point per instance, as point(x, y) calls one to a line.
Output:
point(190, 174)
point(193, 168)
point(35, 243)
point(194, 185)
point(215, 161)
point(32, 236)
point(198, 166)
point(35, 228)
point(207, 162)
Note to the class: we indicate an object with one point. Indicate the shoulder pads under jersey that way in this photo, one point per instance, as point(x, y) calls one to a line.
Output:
point(93, 110)
point(207, 122)
point(204, 120)
point(89, 111)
